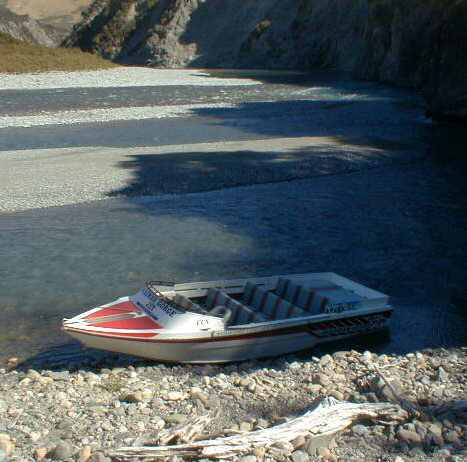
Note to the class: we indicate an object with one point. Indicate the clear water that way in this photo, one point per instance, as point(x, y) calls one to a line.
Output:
point(397, 223)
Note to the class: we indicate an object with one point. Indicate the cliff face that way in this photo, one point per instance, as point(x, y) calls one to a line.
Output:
point(24, 28)
point(58, 16)
point(422, 43)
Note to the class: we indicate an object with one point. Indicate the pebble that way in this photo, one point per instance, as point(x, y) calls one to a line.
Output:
point(84, 454)
point(360, 430)
point(298, 442)
point(62, 451)
point(100, 457)
point(443, 376)
point(316, 443)
point(300, 456)
point(409, 436)
point(245, 426)
point(134, 397)
point(175, 418)
point(321, 379)
point(326, 360)
point(40, 453)
point(175, 396)
point(6, 445)
point(248, 458)
point(325, 453)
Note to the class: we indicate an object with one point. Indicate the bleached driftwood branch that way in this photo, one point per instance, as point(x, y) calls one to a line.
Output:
point(184, 433)
point(327, 418)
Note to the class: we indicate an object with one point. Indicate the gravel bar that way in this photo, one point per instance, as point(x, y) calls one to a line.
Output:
point(120, 77)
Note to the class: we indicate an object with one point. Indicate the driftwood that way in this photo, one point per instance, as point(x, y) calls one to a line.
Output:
point(327, 418)
point(184, 433)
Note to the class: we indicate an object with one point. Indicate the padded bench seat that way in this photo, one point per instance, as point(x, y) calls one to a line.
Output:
point(240, 314)
point(269, 304)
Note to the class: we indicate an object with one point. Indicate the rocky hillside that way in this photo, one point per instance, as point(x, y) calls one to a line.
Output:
point(56, 16)
point(24, 28)
point(421, 44)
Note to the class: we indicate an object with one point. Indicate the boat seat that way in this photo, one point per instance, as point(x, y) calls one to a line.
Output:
point(187, 304)
point(270, 304)
point(305, 298)
point(240, 314)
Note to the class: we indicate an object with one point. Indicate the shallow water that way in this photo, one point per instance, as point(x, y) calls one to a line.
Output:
point(395, 222)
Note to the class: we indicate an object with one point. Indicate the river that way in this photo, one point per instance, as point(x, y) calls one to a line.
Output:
point(311, 172)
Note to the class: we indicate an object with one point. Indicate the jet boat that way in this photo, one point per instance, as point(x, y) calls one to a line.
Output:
point(232, 320)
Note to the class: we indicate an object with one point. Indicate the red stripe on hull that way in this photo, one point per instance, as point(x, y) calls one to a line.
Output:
point(143, 322)
point(118, 308)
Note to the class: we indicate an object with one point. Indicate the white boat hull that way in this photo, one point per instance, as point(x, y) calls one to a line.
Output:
point(140, 327)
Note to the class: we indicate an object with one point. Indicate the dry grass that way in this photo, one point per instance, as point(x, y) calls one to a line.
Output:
point(19, 57)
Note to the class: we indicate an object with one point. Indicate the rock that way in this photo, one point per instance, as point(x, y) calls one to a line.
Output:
point(62, 451)
point(84, 454)
point(175, 396)
point(133, 397)
point(314, 388)
point(360, 430)
point(12, 362)
point(99, 457)
point(442, 375)
point(294, 365)
point(298, 442)
point(452, 437)
point(196, 393)
point(326, 360)
point(262, 423)
point(35, 436)
point(3, 456)
point(175, 418)
point(409, 436)
point(6, 445)
point(251, 387)
point(245, 426)
point(398, 459)
point(325, 453)
point(259, 452)
point(300, 456)
point(248, 458)
point(3, 406)
point(443, 453)
point(338, 395)
point(321, 379)
point(40, 453)
point(316, 443)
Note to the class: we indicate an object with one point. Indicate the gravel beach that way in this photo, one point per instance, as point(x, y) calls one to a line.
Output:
point(84, 412)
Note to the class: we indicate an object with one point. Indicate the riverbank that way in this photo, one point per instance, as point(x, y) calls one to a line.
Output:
point(22, 57)
point(92, 409)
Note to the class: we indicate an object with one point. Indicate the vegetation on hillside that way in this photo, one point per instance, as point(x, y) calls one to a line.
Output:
point(20, 57)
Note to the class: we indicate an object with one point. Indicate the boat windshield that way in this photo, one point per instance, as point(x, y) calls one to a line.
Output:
point(154, 288)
